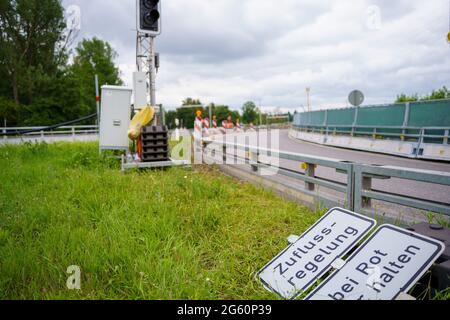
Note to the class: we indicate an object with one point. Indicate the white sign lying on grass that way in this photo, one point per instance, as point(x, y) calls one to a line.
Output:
point(390, 262)
point(299, 266)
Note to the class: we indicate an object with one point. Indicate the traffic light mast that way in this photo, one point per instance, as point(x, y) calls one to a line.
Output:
point(148, 27)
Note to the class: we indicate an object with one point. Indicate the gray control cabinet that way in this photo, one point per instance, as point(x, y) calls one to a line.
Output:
point(115, 117)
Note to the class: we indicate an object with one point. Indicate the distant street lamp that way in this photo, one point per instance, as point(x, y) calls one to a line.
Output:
point(308, 98)
point(260, 112)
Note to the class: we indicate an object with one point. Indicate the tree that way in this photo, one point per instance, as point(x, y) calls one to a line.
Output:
point(403, 98)
point(223, 112)
point(9, 111)
point(249, 113)
point(442, 93)
point(170, 118)
point(33, 63)
point(60, 100)
point(191, 102)
point(37, 86)
point(32, 44)
point(187, 115)
point(93, 57)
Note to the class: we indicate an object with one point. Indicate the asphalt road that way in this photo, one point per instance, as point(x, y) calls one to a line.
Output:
point(295, 145)
point(411, 188)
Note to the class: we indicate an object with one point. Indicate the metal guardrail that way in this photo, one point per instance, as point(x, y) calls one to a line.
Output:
point(65, 130)
point(439, 135)
point(358, 187)
point(309, 177)
point(364, 193)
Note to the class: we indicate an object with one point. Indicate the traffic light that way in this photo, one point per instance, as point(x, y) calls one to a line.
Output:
point(149, 16)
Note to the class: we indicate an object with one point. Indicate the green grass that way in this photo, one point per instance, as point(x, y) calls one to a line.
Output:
point(165, 234)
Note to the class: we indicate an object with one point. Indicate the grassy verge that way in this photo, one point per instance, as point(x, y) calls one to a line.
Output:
point(172, 234)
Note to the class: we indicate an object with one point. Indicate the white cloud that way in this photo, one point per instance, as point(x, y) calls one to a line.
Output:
point(230, 51)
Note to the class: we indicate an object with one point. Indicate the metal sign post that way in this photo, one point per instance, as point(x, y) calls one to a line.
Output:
point(210, 115)
point(97, 99)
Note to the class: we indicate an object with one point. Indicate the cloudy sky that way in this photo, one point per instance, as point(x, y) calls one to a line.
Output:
point(231, 51)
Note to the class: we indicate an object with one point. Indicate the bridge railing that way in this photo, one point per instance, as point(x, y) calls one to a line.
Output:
point(436, 135)
point(357, 189)
point(39, 131)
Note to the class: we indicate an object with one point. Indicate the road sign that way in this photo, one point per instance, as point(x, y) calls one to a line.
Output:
point(299, 266)
point(390, 262)
point(356, 98)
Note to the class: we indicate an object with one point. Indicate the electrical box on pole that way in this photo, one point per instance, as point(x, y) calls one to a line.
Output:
point(140, 90)
point(157, 61)
point(149, 17)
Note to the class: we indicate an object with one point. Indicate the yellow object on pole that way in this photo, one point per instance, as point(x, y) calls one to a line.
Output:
point(140, 120)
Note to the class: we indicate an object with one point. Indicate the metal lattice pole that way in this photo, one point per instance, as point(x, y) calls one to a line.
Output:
point(145, 61)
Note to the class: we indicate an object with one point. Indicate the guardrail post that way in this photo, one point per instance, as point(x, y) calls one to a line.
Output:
point(254, 157)
point(446, 136)
point(351, 187)
point(73, 132)
point(361, 183)
point(224, 154)
point(366, 185)
point(355, 121)
point(406, 120)
point(357, 189)
point(310, 172)
point(42, 134)
point(419, 145)
point(4, 136)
